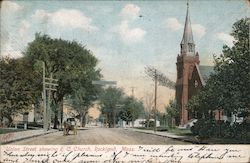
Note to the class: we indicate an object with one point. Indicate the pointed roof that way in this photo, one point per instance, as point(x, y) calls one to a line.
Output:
point(187, 35)
point(204, 72)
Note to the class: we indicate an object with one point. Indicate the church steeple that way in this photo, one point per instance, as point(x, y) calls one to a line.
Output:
point(187, 43)
point(186, 71)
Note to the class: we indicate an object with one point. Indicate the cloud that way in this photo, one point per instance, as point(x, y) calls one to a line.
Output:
point(41, 15)
point(23, 31)
point(130, 35)
point(10, 6)
point(72, 18)
point(174, 24)
point(130, 11)
point(199, 30)
point(68, 18)
point(10, 52)
point(226, 38)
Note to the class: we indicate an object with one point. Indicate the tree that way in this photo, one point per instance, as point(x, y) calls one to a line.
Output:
point(131, 109)
point(172, 113)
point(110, 100)
point(229, 87)
point(65, 60)
point(232, 70)
point(19, 87)
point(148, 107)
point(85, 94)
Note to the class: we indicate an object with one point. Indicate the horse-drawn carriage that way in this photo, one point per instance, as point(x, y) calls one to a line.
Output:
point(68, 125)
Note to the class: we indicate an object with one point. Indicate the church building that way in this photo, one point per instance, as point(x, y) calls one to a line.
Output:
point(191, 76)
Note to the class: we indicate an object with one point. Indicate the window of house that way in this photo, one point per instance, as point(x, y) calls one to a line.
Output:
point(196, 83)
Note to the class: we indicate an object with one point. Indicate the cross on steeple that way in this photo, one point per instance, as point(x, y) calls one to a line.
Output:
point(187, 43)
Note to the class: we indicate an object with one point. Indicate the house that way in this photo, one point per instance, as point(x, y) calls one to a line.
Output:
point(36, 114)
point(140, 122)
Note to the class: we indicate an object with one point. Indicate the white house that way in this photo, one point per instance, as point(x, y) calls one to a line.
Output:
point(140, 122)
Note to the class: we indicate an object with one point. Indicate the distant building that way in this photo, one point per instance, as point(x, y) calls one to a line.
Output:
point(140, 122)
point(33, 115)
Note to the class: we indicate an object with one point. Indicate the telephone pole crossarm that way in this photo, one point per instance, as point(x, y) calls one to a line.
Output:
point(49, 84)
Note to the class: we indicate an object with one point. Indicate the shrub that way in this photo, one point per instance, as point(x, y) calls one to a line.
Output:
point(213, 128)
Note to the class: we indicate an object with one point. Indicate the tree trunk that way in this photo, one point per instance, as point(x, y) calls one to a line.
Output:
point(1, 119)
point(109, 118)
point(113, 119)
point(56, 120)
point(9, 119)
point(83, 118)
point(148, 120)
point(60, 102)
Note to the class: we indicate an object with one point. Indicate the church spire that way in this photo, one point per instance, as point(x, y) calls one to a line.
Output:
point(187, 43)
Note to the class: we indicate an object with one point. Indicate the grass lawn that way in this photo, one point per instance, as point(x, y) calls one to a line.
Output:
point(212, 140)
point(170, 130)
point(178, 131)
point(8, 130)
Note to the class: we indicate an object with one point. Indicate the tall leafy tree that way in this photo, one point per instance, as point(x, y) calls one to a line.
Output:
point(65, 60)
point(110, 101)
point(131, 109)
point(172, 113)
point(84, 95)
point(229, 87)
point(233, 70)
point(19, 87)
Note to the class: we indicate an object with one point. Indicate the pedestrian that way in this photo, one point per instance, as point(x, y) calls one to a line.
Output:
point(74, 126)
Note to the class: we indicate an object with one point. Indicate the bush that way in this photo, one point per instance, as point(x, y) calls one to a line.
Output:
point(213, 128)
point(197, 126)
point(150, 123)
point(204, 128)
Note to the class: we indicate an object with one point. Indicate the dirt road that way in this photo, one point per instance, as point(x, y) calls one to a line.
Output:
point(97, 136)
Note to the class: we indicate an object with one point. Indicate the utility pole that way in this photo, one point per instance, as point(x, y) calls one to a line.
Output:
point(132, 89)
point(49, 85)
point(161, 79)
point(44, 101)
point(49, 101)
point(155, 129)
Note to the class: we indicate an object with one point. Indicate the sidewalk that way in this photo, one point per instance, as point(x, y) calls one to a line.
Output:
point(21, 135)
point(189, 139)
point(192, 139)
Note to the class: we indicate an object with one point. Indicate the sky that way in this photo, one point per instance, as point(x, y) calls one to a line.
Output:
point(125, 36)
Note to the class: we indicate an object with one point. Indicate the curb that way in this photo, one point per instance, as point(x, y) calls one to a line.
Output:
point(11, 141)
point(184, 140)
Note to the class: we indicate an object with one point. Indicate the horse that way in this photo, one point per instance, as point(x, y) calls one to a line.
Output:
point(66, 129)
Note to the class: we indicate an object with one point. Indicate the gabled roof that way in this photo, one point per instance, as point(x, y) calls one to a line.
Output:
point(204, 72)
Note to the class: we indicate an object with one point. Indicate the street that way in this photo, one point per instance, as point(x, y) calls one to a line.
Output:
point(95, 136)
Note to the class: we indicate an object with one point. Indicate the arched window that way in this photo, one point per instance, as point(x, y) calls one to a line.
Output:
point(196, 83)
